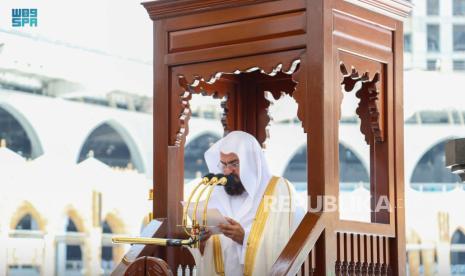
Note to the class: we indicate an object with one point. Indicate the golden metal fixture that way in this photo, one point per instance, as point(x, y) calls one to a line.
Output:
point(151, 194)
point(194, 229)
point(153, 241)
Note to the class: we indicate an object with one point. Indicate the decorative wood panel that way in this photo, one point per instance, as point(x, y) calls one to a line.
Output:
point(167, 8)
point(243, 49)
point(219, 88)
point(365, 43)
point(238, 32)
point(398, 8)
point(277, 84)
point(372, 72)
point(361, 32)
point(231, 87)
point(300, 91)
point(149, 266)
point(369, 108)
point(234, 14)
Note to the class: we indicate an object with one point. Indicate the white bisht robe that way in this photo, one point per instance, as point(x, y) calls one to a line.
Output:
point(267, 230)
point(268, 235)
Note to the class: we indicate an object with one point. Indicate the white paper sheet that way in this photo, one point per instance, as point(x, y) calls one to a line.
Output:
point(214, 216)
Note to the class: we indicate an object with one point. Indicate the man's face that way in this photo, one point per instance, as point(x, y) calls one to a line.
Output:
point(230, 165)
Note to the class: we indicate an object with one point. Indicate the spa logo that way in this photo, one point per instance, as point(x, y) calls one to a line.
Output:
point(24, 17)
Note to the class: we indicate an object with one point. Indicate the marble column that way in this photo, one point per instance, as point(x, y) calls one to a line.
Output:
point(61, 258)
point(428, 261)
point(443, 247)
point(93, 253)
point(414, 262)
point(48, 265)
point(4, 230)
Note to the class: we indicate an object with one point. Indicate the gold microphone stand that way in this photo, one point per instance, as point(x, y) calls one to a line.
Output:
point(194, 229)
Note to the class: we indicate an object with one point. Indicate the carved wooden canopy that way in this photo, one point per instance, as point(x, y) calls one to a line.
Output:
point(227, 86)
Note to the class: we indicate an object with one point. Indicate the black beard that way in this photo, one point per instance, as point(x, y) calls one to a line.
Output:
point(234, 185)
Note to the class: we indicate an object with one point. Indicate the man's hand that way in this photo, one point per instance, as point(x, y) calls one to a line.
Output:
point(206, 234)
point(233, 230)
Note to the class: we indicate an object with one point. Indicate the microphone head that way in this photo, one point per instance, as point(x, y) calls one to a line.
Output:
point(208, 175)
point(222, 179)
point(206, 178)
point(219, 179)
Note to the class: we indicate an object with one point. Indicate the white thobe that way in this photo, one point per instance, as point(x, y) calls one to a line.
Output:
point(265, 245)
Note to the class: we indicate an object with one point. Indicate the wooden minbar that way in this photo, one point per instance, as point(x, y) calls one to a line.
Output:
point(315, 51)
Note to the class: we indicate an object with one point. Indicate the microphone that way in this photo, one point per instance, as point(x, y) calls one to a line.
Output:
point(206, 178)
point(211, 179)
point(220, 175)
point(222, 179)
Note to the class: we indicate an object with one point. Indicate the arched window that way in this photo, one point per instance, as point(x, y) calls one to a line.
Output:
point(194, 163)
point(107, 146)
point(457, 256)
point(432, 167)
point(106, 229)
point(27, 222)
point(296, 170)
point(14, 134)
point(71, 227)
point(351, 168)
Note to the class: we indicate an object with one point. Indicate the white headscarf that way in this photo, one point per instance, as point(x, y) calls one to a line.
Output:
point(254, 175)
point(254, 171)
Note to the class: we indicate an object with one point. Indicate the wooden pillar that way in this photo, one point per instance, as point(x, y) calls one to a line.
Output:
point(175, 179)
point(322, 140)
point(398, 244)
point(160, 126)
point(248, 105)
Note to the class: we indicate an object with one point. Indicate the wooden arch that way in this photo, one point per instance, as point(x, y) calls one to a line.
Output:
point(353, 43)
point(235, 88)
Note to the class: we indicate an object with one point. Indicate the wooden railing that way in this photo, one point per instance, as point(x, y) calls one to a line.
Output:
point(356, 253)
point(361, 254)
point(309, 265)
point(298, 257)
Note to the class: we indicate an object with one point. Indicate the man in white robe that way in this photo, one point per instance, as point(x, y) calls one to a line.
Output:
point(259, 207)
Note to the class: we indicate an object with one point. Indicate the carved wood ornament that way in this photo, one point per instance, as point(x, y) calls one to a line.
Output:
point(149, 266)
point(368, 108)
point(226, 86)
point(219, 87)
